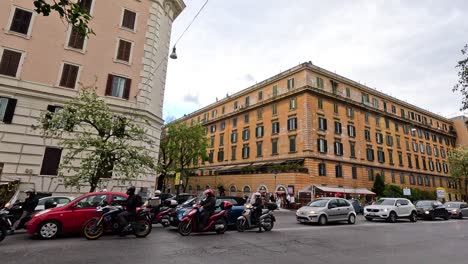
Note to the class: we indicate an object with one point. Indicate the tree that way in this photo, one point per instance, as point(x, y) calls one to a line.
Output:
point(392, 191)
point(379, 185)
point(458, 161)
point(462, 84)
point(180, 147)
point(74, 13)
point(107, 143)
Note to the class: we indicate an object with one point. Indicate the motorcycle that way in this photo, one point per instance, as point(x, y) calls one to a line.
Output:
point(267, 219)
point(160, 215)
point(95, 227)
point(217, 222)
point(5, 224)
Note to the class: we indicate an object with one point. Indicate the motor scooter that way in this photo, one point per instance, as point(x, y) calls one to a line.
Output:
point(161, 214)
point(267, 219)
point(217, 222)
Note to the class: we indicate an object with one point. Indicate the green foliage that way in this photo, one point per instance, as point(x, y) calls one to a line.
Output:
point(462, 84)
point(379, 185)
point(458, 161)
point(107, 143)
point(417, 195)
point(392, 191)
point(73, 13)
point(180, 146)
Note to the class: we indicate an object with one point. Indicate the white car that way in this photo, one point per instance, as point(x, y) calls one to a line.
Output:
point(391, 209)
point(56, 201)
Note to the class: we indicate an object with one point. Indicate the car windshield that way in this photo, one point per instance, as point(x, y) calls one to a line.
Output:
point(452, 205)
point(424, 203)
point(318, 203)
point(385, 202)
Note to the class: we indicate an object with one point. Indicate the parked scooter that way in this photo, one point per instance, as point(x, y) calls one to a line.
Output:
point(5, 224)
point(95, 227)
point(267, 219)
point(216, 223)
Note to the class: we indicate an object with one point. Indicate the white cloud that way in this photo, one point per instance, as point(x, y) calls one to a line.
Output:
point(404, 48)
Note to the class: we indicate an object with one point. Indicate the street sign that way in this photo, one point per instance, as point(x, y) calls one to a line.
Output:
point(407, 192)
point(440, 193)
point(177, 178)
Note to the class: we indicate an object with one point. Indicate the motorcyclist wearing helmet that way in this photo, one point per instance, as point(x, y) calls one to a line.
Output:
point(29, 205)
point(131, 204)
point(257, 209)
point(209, 206)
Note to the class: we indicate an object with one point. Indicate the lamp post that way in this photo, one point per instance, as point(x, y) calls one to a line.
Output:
point(274, 187)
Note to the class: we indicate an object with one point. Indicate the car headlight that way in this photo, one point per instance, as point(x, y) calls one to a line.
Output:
point(426, 212)
point(312, 212)
point(454, 210)
point(248, 206)
point(42, 212)
point(385, 210)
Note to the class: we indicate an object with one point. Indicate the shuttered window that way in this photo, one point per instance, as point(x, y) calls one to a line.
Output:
point(118, 86)
point(128, 20)
point(7, 109)
point(10, 63)
point(21, 21)
point(51, 161)
point(76, 41)
point(69, 75)
point(124, 50)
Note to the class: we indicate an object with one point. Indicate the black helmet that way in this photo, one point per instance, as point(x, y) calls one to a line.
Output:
point(131, 190)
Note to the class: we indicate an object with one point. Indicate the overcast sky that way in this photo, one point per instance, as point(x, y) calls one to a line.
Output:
point(407, 49)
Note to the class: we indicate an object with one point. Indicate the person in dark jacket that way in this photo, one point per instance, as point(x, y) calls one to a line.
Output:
point(257, 210)
point(29, 205)
point(209, 206)
point(131, 204)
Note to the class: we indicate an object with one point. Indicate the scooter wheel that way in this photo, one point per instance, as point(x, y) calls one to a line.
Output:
point(241, 225)
point(222, 231)
point(185, 228)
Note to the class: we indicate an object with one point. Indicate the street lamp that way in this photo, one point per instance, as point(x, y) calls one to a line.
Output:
point(173, 54)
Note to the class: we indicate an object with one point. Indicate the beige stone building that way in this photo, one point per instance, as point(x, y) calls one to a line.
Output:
point(460, 123)
point(42, 62)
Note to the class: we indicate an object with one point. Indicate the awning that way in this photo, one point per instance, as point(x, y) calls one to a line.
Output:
point(226, 168)
point(362, 191)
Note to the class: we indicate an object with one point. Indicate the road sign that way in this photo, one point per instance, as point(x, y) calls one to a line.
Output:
point(440, 193)
point(407, 191)
point(177, 178)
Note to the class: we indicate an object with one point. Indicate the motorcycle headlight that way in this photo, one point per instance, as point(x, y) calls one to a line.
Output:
point(426, 212)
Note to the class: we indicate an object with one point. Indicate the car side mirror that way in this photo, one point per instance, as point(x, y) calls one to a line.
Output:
point(398, 204)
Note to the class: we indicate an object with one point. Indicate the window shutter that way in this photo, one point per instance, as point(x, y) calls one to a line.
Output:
point(325, 144)
point(318, 145)
point(10, 62)
point(289, 124)
point(109, 84)
point(9, 111)
point(65, 73)
point(128, 83)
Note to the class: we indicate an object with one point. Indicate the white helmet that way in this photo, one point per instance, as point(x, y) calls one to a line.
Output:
point(257, 194)
point(157, 192)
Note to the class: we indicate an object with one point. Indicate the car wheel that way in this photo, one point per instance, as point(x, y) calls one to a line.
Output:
point(446, 216)
point(48, 229)
point(432, 217)
point(460, 216)
point(392, 217)
point(351, 219)
point(322, 220)
point(414, 217)
point(369, 219)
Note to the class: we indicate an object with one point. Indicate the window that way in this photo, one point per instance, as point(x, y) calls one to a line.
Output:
point(292, 123)
point(322, 123)
point(390, 157)
point(76, 40)
point(212, 141)
point(128, 20)
point(338, 148)
point(246, 118)
point(124, 50)
point(393, 109)
point(246, 134)
point(400, 158)
point(367, 135)
point(214, 113)
point(442, 153)
point(445, 167)
point(389, 140)
point(234, 122)
point(402, 113)
point(91, 201)
point(415, 147)
point(416, 162)
point(222, 110)
point(366, 117)
point(413, 132)
point(291, 83)
point(259, 131)
point(348, 92)
point(335, 108)
point(319, 82)
point(420, 180)
point(379, 138)
point(234, 137)
point(10, 63)
point(222, 125)
point(429, 149)
point(423, 159)
point(274, 146)
point(213, 128)
point(322, 169)
point(221, 155)
point(86, 5)
point(350, 112)
point(51, 161)
point(320, 103)
point(393, 177)
point(370, 174)
point(397, 127)
point(438, 166)
point(365, 98)
point(410, 164)
point(436, 151)
point(380, 155)
point(322, 145)
point(247, 101)
point(377, 121)
point(385, 106)
point(354, 172)
point(412, 180)
point(221, 140)
point(118, 86)
point(407, 144)
point(352, 149)
point(21, 21)
point(387, 123)
point(420, 134)
point(334, 87)
point(375, 102)
point(260, 95)
point(431, 165)
point(211, 156)
point(233, 152)
point(370, 153)
point(292, 103)
point(398, 142)
point(275, 127)
point(275, 90)
point(402, 179)
point(351, 131)
point(339, 171)
point(245, 151)
point(422, 148)
point(236, 105)
point(259, 149)
point(69, 75)
point(7, 109)
point(274, 109)
point(411, 115)
point(260, 114)
point(292, 144)
point(338, 127)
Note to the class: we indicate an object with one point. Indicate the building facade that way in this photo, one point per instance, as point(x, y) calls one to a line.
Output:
point(310, 129)
point(460, 123)
point(44, 62)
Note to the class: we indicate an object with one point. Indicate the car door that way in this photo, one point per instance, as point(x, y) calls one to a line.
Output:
point(464, 209)
point(439, 209)
point(333, 210)
point(402, 207)
point(344, 207)
point(83, 210)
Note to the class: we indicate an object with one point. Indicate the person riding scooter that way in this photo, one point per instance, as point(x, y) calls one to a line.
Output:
point(257, 212)
point(131, 204)
point(29, 205)
point(209, 206)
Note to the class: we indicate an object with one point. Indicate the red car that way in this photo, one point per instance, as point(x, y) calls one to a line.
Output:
point(70, 218)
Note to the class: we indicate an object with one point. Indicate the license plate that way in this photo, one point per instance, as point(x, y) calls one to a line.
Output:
point(302, 220)
point(372, 214)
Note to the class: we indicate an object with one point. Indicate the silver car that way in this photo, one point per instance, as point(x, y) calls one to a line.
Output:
point(457, 209)
point(327, 209)
point(53, 201)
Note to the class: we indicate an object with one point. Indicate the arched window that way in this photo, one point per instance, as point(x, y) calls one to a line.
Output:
point(233, 189)
point(246, 190)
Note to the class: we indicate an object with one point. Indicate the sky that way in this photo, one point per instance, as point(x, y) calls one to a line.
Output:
point(407, 49)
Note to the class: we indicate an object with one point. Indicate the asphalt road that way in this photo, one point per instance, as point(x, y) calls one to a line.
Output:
point(366, 242)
